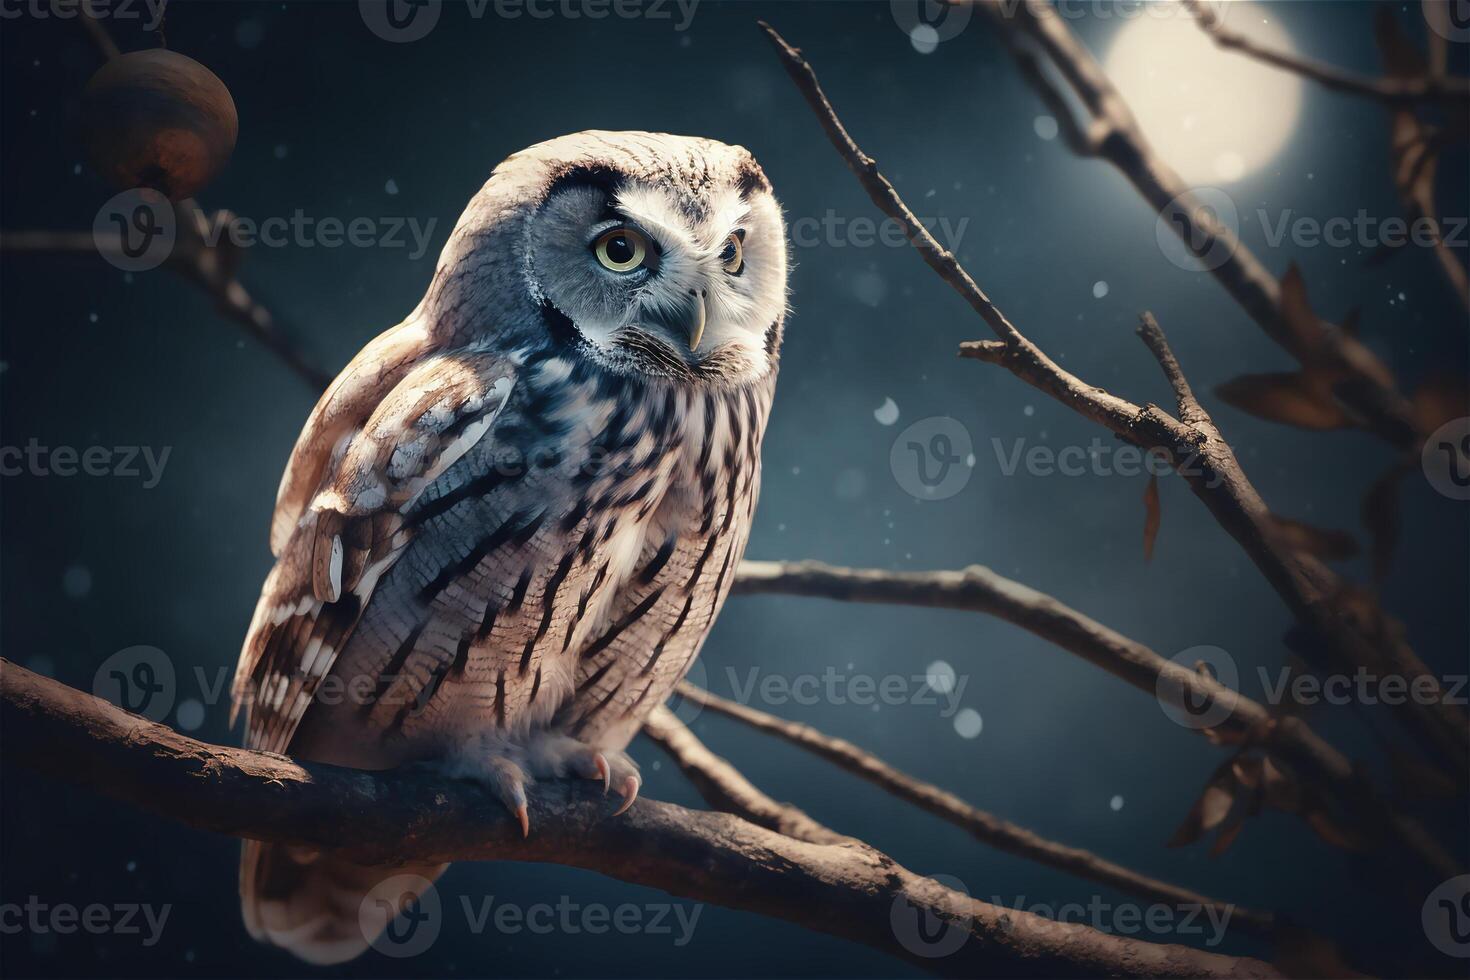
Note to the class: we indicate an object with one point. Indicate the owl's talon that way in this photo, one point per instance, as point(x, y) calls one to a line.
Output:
point(629, 791)
point(525, 818)
point(603, 770)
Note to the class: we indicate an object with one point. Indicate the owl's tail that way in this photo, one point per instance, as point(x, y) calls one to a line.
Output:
point(320, 908)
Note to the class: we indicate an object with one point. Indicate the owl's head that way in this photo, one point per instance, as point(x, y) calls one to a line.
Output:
point(650, 254)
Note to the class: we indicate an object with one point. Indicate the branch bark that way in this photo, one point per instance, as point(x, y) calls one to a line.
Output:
point(846, 889)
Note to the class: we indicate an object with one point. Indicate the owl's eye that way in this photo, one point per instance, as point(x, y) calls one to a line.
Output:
point(621, 250)
point(732, 256)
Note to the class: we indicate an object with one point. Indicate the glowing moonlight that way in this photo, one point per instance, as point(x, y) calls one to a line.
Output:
point(1214, 115)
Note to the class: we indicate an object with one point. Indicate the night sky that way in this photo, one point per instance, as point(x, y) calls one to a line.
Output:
point(336, 122)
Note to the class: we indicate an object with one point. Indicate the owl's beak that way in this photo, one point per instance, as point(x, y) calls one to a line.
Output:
point(696, 322)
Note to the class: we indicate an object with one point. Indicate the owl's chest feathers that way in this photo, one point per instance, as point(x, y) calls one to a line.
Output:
point(649, 493)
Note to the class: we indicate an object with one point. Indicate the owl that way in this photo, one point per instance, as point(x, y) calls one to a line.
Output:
point(508, 525)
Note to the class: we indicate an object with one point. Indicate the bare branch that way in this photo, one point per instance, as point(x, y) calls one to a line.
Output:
point(101, 39)
point(983, 826)
point(1452, 92)
point(978, 589)
point(846, 889)
point(1368, 390)
point(725, 788)
point(1310, 589)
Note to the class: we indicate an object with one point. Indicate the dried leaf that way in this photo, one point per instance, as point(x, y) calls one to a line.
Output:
point(1293, 398)
point(1306, 333)
point(1415, 156)
point(1380, 514)
point(1329, 545)
point(1440, 398)
point(1212, 807)
point(1227, 836)
point(1330, 831)
point(1152, 515)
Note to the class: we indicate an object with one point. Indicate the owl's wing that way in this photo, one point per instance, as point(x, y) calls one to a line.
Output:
point(348, 530)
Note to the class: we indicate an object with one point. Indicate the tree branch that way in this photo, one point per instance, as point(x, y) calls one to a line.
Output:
point(1368, 388)
point(978, 589)
point(725, 788)
point(1310, 589)
point(845, 889)
point(983, 826)
point(1452, 92)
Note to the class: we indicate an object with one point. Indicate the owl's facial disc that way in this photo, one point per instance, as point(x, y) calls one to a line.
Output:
point(662, 282)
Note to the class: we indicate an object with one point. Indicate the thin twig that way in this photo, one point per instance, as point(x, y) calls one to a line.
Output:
point(199, 260)
point(983, 826)
point(1113, 134)
point(1310, 589)
point(1452, 92)
point(847, 889)
point(978, 589)
point(103, 41)
point(724, 787)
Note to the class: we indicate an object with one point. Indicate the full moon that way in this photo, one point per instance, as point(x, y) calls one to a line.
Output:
point(1214, 115)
